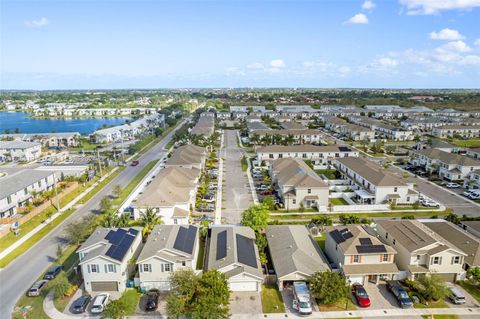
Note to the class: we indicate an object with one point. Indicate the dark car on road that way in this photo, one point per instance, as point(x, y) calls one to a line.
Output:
point(80, 305)
point(151, 303)
point(135, 163)
point(361, 295)
point(53, 272)
point(400, 294)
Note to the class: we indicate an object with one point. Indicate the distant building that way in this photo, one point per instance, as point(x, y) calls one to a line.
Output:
point(19, 151)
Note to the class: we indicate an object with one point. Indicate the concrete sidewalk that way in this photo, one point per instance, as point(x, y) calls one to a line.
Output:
point(72, 203)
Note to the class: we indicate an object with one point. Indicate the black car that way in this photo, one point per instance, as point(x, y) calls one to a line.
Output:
point(80, 305)
point(53, 272)
point(400, 294)
point(151, 303)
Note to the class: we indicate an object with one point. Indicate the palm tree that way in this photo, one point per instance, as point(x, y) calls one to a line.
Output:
point(110, 220)
point(123, 220)
point(254, 139)
point(149, 219)
point(290, 139)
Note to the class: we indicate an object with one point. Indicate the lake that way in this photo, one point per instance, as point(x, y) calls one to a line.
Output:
point(85, 126)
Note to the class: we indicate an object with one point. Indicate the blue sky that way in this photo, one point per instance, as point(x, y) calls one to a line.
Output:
point(239, 43)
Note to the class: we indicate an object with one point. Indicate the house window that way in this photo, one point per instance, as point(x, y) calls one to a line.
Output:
point(394, 241)
point(175, 221)
point(395, 189)
point(304, 155)
point(25, 191)
point(270, 155)
point(356, 258)
point(94, 268)
point(147, 268)
point(280, 155)
point(418, 257)
point(436, 261)
point(294, 201)
point(111, 268)
point(9, 199)
point(39, 183)
point(184, 263)
point(385, 257)
point(167, 267)
point(456, 260)
point(386, 235)
point(309, 191)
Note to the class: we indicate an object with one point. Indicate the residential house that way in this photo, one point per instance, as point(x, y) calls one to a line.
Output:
point(321, 156)
point(304, 136)
point(420, 250)
point(294, 253)
point(104, 258)
point(375, 184)
point(232, 250)
point(205, 125)
point(473, 227)
point(20, 186)
point(188, 156)
point(237, 108)
point(459, 237)
point(360, 255)
point(168, 248)
point(171, 194)
point(465, 131)
point(17, 151)
point(449, 166)
point(298, 185)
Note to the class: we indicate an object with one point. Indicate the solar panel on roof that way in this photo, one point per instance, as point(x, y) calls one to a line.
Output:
point(371, 249)
point(120, 242)
point(337, 236)
point(347, 235)
point(221, 245)
point(365, 241)
point(133, 231)
point(115, 236)
point(246, 251)
point(185, 239)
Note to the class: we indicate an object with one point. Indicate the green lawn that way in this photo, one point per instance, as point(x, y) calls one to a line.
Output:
point(338, 201)
point(321, 240)
point(393, 214)
point(432, 304)
point(472, 143)
point(272, 301)
point(329, 173)
point(201, 254)
point(338, 306)
point(244, 163)
point(130, 298)
point(471, 289)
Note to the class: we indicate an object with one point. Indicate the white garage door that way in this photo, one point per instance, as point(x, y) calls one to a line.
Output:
point(244, 286)
point(356, 280)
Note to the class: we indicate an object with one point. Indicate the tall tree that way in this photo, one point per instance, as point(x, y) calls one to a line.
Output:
point(255, 217)
point(105, 204)
point(212, 297)
point(149, 219)
point(328, 287)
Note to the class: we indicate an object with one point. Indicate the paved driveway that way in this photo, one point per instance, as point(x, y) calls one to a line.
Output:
point(245, 302)
point(380, 297)
point(236, 195)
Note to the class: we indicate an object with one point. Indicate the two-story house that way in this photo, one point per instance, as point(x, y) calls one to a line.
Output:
point(360, 255)
point(188, 156)
point(104, 258)
point(298, 185)
point(232, 250)
point(420, 250)
point(168, 248)
point(375, 184)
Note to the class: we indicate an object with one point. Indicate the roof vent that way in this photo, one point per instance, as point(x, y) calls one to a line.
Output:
point(290, 246)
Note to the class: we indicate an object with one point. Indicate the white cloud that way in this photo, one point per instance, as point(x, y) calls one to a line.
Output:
point(446, 34)
point(368, 5)
point(37, 23)
point(477, 42)
point(359, 18)
point(277, 64)
point(256, 66)
point(233, 70)
point(456, 46)
point(416, 7)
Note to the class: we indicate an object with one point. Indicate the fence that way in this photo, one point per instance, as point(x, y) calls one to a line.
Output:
point(35, 211)
point(360, 208)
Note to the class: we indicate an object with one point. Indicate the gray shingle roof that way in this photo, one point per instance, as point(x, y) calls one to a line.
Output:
point(295, 172)
point(293, 250)
point(16, 180)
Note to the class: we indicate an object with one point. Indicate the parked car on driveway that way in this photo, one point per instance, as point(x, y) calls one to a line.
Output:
point(100, 302)
point(400, 294)
point(266, 192)
point(80, 305)
point(361, 295)
point(36, 287)
point(456, 296)
point(452, 185)
point(53, 272)
point(151, 304)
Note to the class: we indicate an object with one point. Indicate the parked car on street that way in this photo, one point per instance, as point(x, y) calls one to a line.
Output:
point(427, 202)
point(80, 305)
point(400, 294)
point(100, 302)
point(34, 291)
point(151, 304)
point(53, 272)
point(361, 295)
point(452, 185)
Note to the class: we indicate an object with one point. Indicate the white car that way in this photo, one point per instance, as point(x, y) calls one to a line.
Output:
point(452, 185)
point(474, 196)
point(100, 302)
point(429, 203)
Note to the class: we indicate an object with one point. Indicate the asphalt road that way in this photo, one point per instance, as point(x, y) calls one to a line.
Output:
point(236, 196)
point(20, 274)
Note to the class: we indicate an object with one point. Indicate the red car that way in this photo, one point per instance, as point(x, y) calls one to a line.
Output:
point(361, 295)
point(135, 163)
point(267, 192)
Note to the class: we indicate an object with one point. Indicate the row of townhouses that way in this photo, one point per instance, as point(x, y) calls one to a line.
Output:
point(73, 112)
point(66, 139)
point(18, 151)
point(352, 131)
point(390, 249)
